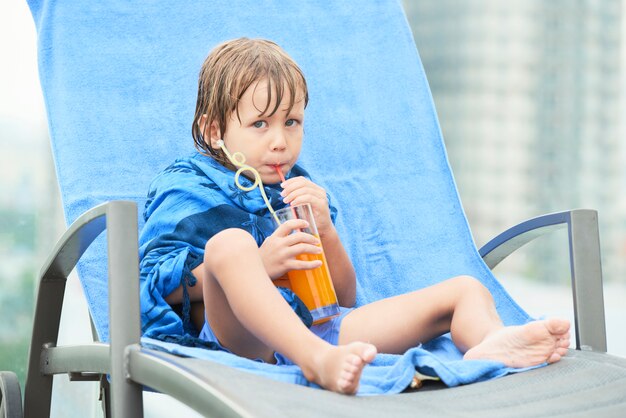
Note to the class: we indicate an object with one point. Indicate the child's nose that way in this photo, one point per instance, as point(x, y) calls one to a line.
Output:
point(279, 140)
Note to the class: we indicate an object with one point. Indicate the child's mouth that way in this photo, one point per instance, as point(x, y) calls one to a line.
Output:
point(279, 172)
point(276, 167)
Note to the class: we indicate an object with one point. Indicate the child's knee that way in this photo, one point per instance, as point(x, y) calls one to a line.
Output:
point(471, 284)
point(229, 243)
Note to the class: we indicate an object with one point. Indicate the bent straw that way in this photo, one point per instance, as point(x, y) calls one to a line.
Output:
point(238, 160)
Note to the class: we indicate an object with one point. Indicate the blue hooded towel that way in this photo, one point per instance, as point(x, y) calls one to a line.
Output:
point(189, 202)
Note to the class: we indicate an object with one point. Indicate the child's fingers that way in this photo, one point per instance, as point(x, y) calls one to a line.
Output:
point(302, 185)
point(287, 227)
point(315, 201)
point(304, 265)
point(301, 238)
point(310, 188)
point(302, 248)
point(294, 182)
point(302, 195)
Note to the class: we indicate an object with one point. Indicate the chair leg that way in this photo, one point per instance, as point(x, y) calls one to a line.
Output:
point(10, 396)
point(105, 396)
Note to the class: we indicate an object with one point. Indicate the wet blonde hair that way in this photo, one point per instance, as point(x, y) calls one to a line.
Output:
point(229, 70)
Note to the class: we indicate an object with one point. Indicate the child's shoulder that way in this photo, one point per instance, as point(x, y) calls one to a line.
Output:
point(182, 165)
point(175, 173)
point(194, 165)
point(184, 175)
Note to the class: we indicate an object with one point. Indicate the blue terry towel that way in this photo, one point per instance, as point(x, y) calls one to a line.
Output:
point(189, 202)
point(387, 374)
point(119, 81)
point(192, 200)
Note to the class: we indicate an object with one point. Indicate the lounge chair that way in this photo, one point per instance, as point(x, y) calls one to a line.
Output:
point(119, 81)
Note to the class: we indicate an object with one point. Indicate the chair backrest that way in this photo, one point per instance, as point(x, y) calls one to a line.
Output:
point(120, 78)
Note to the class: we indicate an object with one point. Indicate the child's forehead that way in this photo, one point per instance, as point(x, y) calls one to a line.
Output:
point(263, 96)
point(262, 86)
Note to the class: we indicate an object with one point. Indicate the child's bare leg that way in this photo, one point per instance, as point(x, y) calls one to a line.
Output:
point(464, 307)
point(250, 317)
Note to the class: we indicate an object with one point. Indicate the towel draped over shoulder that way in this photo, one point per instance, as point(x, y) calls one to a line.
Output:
point(188, 203)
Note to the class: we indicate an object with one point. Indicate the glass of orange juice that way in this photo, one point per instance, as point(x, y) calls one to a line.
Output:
point(313, 286)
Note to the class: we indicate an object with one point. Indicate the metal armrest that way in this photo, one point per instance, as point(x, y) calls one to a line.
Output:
point(120, 220)
point(171, 375)
point(585, 263)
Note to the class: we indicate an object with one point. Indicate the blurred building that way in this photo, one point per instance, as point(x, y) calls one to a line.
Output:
point(529, 95)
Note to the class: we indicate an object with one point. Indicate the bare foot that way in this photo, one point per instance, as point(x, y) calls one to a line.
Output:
point(338, 368)
point(525, 345)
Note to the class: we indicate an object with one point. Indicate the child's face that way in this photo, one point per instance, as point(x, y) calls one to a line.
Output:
point(266, 141)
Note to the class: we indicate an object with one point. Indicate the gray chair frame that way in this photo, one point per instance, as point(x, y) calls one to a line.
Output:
point(585, 265)
point(216, 390)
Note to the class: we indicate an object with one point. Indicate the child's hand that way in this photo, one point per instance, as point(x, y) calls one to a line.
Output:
point(300, 190)
point(280, 249)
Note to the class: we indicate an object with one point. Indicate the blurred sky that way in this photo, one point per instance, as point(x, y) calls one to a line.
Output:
point(27, 181)
point(20, 95)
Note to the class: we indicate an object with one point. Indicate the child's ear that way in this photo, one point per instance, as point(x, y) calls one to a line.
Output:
point(211, 133)
point(214, 135)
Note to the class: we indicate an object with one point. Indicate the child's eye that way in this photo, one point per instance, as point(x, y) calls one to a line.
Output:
point(259, 124)
point(291, 122)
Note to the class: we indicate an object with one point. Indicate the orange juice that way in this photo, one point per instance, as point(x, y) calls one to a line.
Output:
point(315, 288)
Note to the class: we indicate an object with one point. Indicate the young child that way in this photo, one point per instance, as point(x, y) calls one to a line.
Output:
point(226, 252)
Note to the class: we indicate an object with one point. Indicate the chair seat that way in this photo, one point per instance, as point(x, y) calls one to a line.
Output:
point(583, 384)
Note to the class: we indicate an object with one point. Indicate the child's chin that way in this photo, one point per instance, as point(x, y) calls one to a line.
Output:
point(270, 178)
point(271, 182)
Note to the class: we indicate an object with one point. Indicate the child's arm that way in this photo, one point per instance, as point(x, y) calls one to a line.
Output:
point(299, 190)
